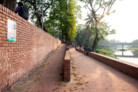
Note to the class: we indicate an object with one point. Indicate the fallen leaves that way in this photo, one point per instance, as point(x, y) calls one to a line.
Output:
point(77, 82)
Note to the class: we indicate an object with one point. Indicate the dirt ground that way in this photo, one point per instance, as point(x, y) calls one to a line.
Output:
point(101, 77)
point(87, 75)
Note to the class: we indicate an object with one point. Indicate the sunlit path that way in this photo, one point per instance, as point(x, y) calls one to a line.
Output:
point(87, 75)
point(102, 78)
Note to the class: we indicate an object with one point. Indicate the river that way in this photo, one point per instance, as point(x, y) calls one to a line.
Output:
point(128, 56)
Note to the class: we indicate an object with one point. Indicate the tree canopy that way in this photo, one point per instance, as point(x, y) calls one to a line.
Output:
point(98, 9)
point(85, 36)
point(62, 18)
point(59, 16)
point(10, 4)
point(35, 8)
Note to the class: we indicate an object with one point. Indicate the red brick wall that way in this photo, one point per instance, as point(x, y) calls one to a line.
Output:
point(67, 66)
point(31, 47)
point(127, 68)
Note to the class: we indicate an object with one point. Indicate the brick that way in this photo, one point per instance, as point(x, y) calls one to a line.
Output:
point(1, 7)
point(66, 70)
point(25, 51)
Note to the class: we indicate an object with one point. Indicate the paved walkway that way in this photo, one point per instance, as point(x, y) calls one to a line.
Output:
point(87, 75)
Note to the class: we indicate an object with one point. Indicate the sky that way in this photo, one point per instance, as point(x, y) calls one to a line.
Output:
point(124, 20)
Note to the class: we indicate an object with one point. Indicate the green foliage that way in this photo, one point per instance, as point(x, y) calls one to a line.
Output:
point(104, 30)
point(104, 52)
point(85, 35)
point(98, 9)
point(135, 49)
point(71, 21)
point(59, 16)
point(62, 18)
point(35, 8)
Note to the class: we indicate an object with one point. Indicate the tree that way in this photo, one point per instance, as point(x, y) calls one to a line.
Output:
point(71, 20)
point(10, 4)
point(56, 20)
point(35, 7)
point(62, 18)
point(86, 35)
point(98, 9)
point(83, 36)
point(59, 16)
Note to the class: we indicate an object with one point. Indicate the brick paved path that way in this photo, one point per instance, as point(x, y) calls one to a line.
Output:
point(87, 75)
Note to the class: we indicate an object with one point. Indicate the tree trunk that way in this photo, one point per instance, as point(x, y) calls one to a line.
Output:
point(10, 4)
point(40, 22)
point(62, 35)
point(95, 42)
point(45, 29)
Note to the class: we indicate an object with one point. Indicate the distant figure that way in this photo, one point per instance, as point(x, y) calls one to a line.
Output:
point(23, 12)
point(80, 48)
point(87, 50)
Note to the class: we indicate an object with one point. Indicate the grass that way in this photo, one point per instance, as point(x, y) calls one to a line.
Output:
point(135, 49)
point(105, 52)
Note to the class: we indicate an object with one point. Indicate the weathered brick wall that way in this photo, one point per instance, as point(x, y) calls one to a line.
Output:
point(31, 47)
point(127, 68)
point(67, 65)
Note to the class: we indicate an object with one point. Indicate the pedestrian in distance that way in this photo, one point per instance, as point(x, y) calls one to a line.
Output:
point(80, 48)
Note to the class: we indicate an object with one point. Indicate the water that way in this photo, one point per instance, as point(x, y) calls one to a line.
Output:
point(129, 59)
point(123, 52)
point(128, 56)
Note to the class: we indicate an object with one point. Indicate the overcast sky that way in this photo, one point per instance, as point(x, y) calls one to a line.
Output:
point(124, 20)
